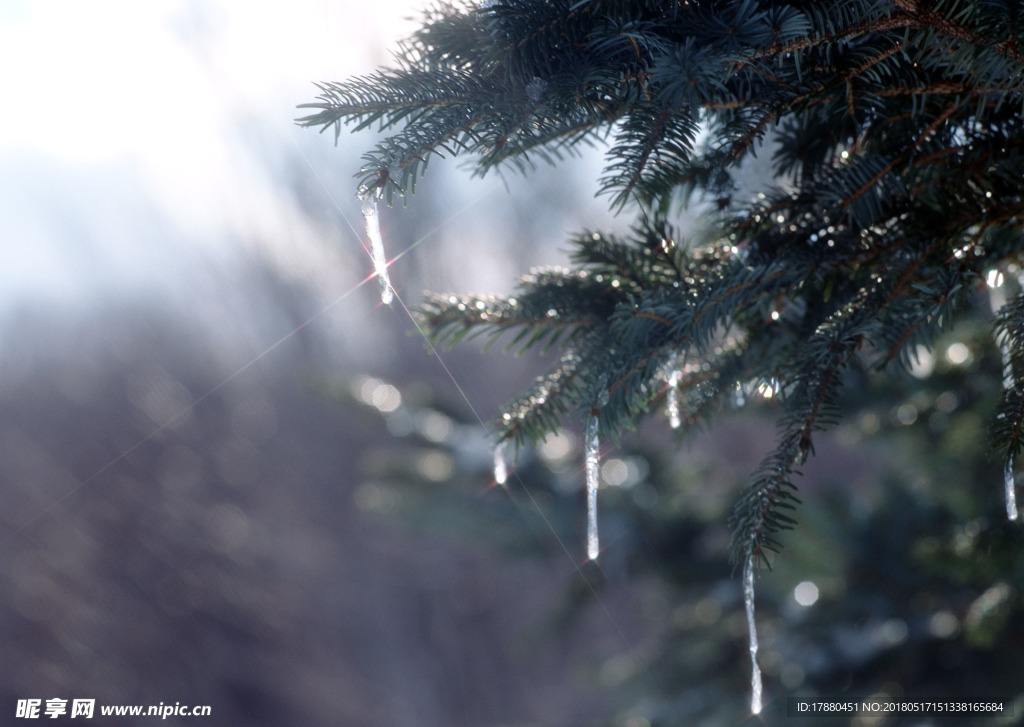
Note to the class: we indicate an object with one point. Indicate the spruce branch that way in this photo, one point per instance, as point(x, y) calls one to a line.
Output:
point(896, 144)
point(811, 407)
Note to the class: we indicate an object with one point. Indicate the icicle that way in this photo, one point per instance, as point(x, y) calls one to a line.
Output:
point(380, 261)
point(748, 600)
point(1011, 489)
point(997, 299)
point(500, 468)
point(593, 454)
point(674, 418)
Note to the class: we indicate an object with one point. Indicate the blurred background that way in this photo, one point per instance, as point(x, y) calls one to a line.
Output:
point(229, 476)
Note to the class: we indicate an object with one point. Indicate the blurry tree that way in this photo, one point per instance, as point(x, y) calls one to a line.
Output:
point(894, 212)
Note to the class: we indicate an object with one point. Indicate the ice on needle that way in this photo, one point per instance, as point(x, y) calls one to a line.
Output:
point(380, 261)
point(593, 454)
point(755, 670)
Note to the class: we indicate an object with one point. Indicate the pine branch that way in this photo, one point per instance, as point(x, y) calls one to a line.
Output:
point(550, 303)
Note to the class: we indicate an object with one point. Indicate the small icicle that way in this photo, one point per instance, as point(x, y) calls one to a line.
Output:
point(674, 417)
point(500, 468)
point(748, 600)
point(593, 455)
point(1011, 489)
point(380, 261)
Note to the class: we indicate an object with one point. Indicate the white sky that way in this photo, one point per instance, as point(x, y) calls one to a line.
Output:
point(145, 148)
point(91, 80)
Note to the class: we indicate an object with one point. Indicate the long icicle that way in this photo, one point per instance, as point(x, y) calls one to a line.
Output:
point(755, 669)
point(380, 260)
point(1010, 482)
point(593, 454)
point(997, 299)
point(500, 467)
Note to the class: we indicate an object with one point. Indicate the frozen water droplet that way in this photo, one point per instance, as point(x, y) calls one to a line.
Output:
point(1011, 489)
point(755, 669)
point(675, 419)
point(380, 261)
point(593, 456)
point(500, 468)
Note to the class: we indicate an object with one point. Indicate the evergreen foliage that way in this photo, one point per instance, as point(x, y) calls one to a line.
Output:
point(896, 140)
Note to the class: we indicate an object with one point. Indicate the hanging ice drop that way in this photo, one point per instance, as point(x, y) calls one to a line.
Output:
point(1011, 489)
point(674, 418)
point(592, 454)
point(748, 600)
point(500, 468)
point(739, 399)
point(380, 261)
